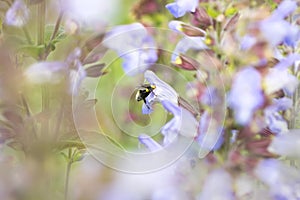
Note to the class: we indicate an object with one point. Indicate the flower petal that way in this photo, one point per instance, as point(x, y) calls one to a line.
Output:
point(246, 94)
point(218, 185)
point(133, 43)
point(18, 14)
point(183, 123)
point(163, 91)
point(195, 43)
point(282, 180)
point(180, 7)
point(151, 144)
point(286, 144)
point(46, 72)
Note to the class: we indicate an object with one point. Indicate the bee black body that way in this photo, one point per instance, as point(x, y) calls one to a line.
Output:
point(144, 91)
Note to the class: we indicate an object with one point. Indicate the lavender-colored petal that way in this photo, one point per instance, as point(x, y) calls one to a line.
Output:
point(210, 135)
point(287, 61)
point(163, 91)
point(195, 43)
point(180, 7)
point(175, 10)
point(276, 123)
point(282, 103)
point(151, 144)
point(170, 131)
point(133, 43)
point(292, 38)
point(46, 72)
point(76, 77)
point(183, 122)
point(284, 9)
point(278, 79)
point(286, 144)
point(18, 14)
point(218, 185)
point(247, 42)
point(268, 171)
point(283, 181)
point(246, 94)
point(275, 31)
point(211, 97)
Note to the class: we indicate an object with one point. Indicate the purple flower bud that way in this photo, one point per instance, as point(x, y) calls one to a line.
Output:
point(17, 14)
point(186, 29)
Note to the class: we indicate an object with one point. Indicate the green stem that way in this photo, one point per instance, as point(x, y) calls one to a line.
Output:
point(28, 113)
point(41, 10)
point(27, 35)
point(55, 31)
point(59, 118)
point(69, 165)
point(57, 25)
point(45, 107)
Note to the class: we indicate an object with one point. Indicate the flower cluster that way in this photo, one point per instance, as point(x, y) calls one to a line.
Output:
point(221, 90)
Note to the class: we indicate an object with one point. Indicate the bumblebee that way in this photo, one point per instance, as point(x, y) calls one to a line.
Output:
point(144, 91)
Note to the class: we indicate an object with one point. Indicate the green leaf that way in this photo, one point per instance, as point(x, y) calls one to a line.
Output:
point(79, 156)
point(65, 156)
point(49, 31)
point(33, 50)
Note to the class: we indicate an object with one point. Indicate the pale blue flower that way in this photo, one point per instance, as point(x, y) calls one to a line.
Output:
point(135, 45)
point(284, 9)
point(211, 97)
point(52, 72)
point(279, 77)
point(210, 134)
point(183, 123)
point(276, 29)
point(218, 185)
point(286, 144)
point(247, 42)
point(18, 14)
point(46, 72)
point(180, 7)
point(283, 181)
point(275, 121)
point(246, 95)
point(163, 91)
